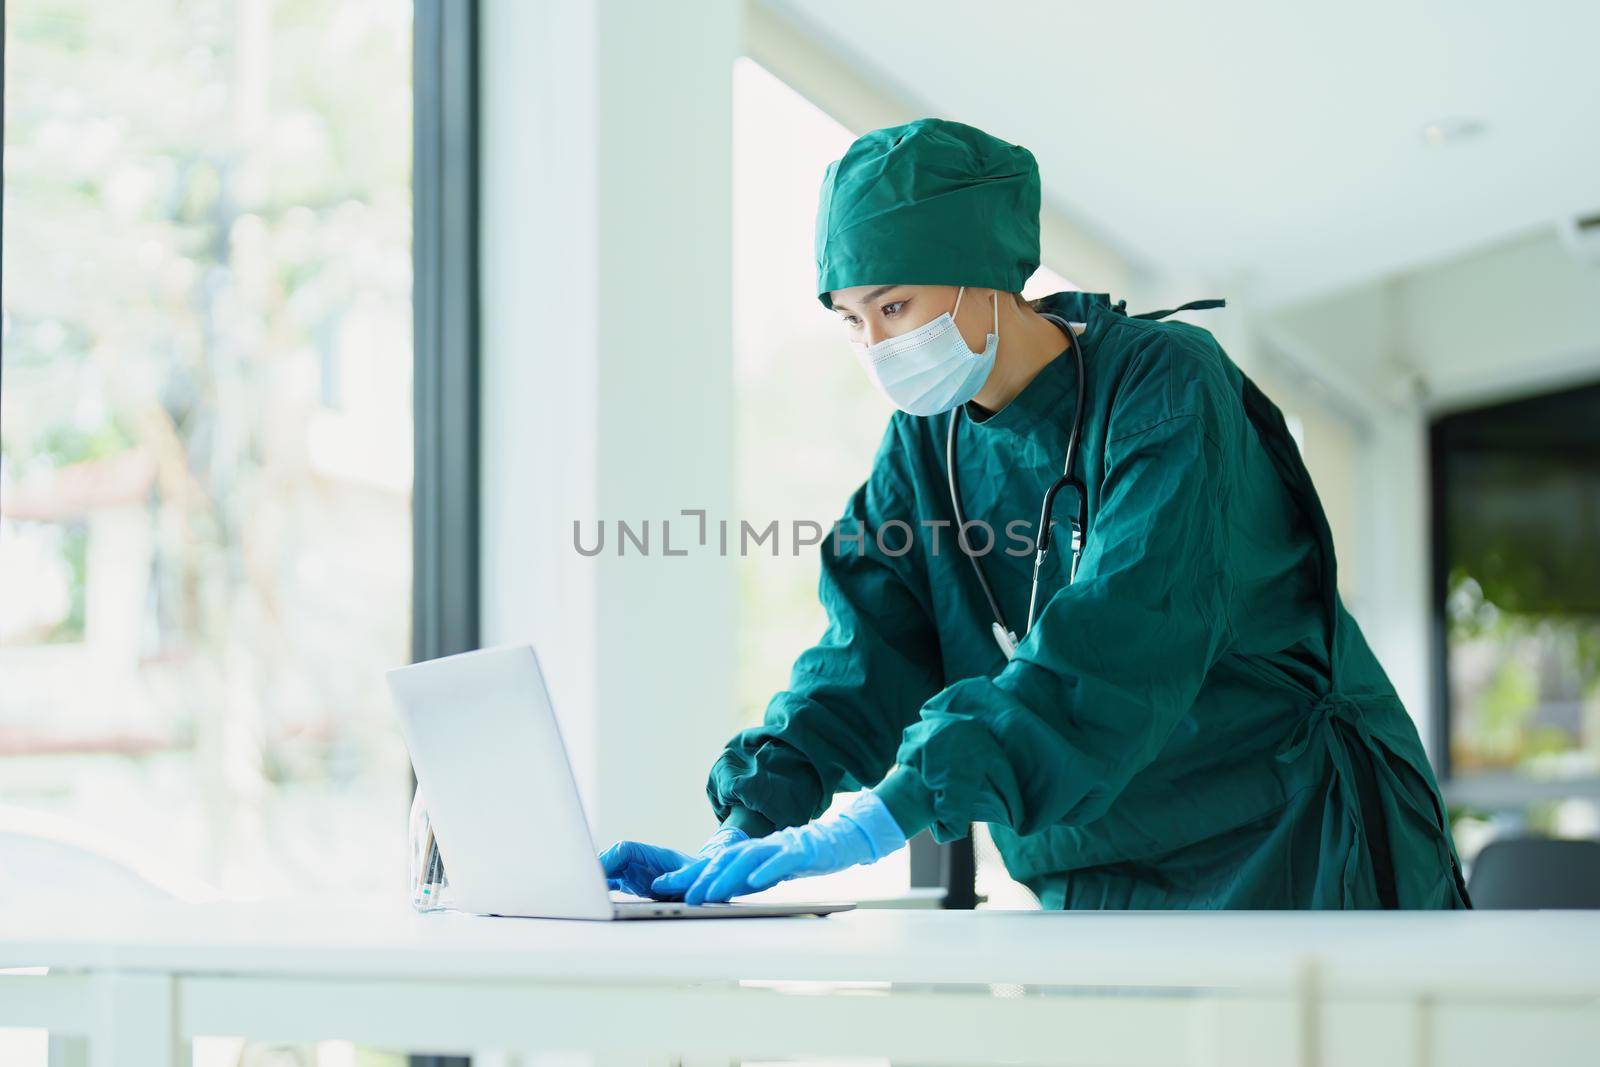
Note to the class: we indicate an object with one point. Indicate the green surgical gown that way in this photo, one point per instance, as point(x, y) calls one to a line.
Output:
point(1195, 721)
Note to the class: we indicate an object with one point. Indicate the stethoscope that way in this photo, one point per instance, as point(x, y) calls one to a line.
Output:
point(1004, 635)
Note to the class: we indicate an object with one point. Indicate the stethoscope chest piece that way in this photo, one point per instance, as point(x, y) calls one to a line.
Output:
point(1004, 638)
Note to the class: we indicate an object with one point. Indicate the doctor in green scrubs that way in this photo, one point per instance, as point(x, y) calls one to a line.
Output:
point(1189, 718)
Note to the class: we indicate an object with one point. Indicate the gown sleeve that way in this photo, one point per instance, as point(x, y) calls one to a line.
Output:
point(850, 696)
point(1115, 659)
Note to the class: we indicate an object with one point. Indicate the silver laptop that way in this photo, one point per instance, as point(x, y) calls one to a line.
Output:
point(502, 799)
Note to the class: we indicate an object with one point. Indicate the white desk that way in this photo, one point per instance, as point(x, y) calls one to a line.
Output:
point(929, 987)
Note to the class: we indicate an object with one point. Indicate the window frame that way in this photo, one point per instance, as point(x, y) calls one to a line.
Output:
point(445, 495)
point(445, 298)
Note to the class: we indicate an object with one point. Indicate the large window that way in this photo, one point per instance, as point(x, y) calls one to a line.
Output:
point(1517, 590)
point(206, 435)
point(808, 419)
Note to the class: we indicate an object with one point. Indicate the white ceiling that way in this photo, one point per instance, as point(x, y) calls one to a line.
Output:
point(1273, 146)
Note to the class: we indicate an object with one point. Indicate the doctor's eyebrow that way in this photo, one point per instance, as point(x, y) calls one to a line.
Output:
point(870, 297)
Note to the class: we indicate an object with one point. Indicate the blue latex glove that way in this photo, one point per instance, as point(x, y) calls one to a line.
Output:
point(671, 884)
point(864, 832)
point(632, 866)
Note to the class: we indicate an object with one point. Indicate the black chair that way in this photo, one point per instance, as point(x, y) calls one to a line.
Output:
point(1536, 872)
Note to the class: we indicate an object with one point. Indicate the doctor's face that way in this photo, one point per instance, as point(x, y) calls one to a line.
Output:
point(870, 313)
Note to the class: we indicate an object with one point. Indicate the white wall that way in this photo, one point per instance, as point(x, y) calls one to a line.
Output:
point(1521, 317)
point(607, 382)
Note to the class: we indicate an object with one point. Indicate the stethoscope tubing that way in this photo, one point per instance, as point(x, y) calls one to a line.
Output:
point(1003, 632)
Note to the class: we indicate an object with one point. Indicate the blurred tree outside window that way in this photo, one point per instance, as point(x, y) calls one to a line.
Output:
point(205, 431)
point(1519, 491)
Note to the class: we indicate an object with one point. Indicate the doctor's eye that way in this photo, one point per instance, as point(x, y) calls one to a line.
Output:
point(850, 321)
point(891, 310)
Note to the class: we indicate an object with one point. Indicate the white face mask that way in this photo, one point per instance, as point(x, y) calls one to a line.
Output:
point(931, 369)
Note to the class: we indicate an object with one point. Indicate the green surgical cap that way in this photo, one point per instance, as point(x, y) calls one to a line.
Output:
point(931, 202)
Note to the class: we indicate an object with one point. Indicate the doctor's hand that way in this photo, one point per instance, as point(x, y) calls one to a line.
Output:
point(634, 867)
point(864, 832)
